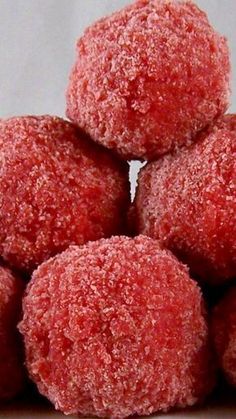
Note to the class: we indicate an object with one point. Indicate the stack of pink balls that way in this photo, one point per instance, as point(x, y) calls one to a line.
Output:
point(114, 325)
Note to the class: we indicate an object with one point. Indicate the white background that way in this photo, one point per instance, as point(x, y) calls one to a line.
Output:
point(37, 49)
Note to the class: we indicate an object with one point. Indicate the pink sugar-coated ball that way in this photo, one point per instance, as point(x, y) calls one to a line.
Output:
point(188, 202)
point(224, 334)
point(115, 328)
point(12, 374)
point(148, 78)
point(56, 189)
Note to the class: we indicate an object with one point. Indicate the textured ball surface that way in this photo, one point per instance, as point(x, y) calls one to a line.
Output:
point(11, 357)
point(148, 78)
point(56, 189)
point(115, 328)
point(188, 202)
point(224, 333)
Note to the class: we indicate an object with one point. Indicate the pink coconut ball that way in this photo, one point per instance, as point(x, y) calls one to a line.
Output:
point(12, 373)
point(188, 202)
point(116, 328)
point(56, 189)
point(148, 78)
point(224, 334)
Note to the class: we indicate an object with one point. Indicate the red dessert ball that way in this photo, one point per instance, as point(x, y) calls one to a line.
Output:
point(188, 202)
point(116, 327)
point(12, 374)
point(56, 189)
point(224, 334)
point(148, 78)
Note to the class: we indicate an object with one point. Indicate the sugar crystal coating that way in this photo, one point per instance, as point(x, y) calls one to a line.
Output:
point(188, 202)
point(56, 189)
point(224, 334)
point(12, 374)
point(148, 78)
point(116, 327)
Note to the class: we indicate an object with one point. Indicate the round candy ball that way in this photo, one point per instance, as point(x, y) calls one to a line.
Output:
point(56, 189)
point(188, 202)
point(12, 375)
point(116, 328)
point(148, 78)
point(224, 334)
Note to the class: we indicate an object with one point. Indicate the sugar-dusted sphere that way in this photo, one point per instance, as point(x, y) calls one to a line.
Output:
point(188, 202)
point(56, 189)
point(12, 372)
point(224, 334)
point(147, 78)
point(116, 328)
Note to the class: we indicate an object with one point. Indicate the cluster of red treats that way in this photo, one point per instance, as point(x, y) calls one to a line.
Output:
point(115, 325)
